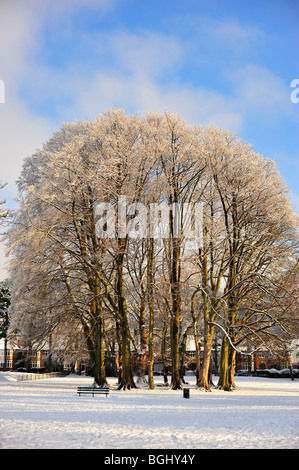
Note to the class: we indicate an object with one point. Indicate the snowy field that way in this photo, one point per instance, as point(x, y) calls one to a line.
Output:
point(48, 414)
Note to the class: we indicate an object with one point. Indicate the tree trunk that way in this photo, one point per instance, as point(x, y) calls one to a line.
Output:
point(97, 332)
point(151, 313)
point(119, 347)
point(99, 355)
point(127, 380)
point(204, 376)
point(163, 349)
point(183, 352)
point(174, 332)
point(176, 314)
point(195, 334)
point(232, 368)
point(224, 382)
point(5, 354)
point(142, 366)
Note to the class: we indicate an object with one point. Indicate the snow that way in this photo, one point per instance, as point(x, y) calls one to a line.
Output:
point(262, 413)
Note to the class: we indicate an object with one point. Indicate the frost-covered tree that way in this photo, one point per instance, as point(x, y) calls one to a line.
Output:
point(53, 238)
point(259, 234)
point(87, 251)
point(4, 212)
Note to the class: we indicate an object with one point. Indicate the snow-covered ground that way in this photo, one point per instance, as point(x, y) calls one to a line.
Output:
point(262, 413)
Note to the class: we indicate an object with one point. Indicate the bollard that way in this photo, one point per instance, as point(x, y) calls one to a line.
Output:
point(186, 392)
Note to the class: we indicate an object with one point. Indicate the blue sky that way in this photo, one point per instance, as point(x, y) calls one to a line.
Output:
point(227, 63)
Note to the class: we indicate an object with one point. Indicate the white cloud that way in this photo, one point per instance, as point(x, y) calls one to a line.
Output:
point(18, 28)
point(21, 130)
point(197, 106)
point(134, 81)
point(21, 133)
point(261, 90)
point(148, 54)
point(234, 35)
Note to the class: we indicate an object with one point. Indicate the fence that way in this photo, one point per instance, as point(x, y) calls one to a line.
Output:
point(36, 376)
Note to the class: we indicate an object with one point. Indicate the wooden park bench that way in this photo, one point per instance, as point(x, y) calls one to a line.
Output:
point(93, 391)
